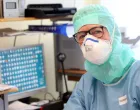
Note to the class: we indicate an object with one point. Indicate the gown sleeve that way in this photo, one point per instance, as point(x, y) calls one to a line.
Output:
point(76, 101)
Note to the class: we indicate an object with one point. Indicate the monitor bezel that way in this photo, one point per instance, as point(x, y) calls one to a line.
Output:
point(20, 95)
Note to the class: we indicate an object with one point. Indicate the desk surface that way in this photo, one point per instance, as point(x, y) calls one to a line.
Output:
point(11, 89)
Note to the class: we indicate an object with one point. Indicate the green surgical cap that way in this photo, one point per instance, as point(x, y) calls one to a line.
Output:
point(97, 14)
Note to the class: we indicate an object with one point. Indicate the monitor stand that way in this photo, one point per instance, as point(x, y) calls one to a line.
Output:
point(4, 102)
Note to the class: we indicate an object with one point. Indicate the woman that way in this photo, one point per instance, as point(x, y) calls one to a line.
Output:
point(112, 81)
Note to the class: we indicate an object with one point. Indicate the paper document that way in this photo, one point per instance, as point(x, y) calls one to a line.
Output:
point(4, 87)
point(23, 33)
point(17, 105)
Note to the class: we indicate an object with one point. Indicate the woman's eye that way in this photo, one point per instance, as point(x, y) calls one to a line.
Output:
point(82, 36)
point(97, 32)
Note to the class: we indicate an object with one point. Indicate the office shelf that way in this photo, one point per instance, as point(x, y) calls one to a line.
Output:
point(17, 19)
point(32, 18)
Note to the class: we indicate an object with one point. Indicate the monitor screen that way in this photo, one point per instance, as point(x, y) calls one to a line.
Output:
point(23, 67)
point(10, 5)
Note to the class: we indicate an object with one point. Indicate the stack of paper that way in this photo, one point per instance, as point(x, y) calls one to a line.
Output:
point(7, 88)
point(21, 106)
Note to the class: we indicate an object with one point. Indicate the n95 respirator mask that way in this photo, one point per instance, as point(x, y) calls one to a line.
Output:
point(96, 51)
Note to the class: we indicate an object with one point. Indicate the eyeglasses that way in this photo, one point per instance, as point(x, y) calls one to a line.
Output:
point(95, 31)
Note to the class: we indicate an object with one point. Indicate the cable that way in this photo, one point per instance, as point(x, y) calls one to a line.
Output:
point(50, 95)
point(39, 37)
point(59, 97)
point(15, 41)
point(66, 85)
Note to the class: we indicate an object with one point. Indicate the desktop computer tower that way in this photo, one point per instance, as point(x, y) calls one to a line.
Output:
point(74, 56)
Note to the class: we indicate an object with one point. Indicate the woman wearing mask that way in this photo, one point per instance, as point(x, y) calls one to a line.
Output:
point(112, 81)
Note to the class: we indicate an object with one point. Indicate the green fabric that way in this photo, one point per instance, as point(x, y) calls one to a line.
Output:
point(121, 55)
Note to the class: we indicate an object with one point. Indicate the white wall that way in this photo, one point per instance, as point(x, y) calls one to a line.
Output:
point(81, 3)
point(65, 3)
point(92, 2)
point(126, 13)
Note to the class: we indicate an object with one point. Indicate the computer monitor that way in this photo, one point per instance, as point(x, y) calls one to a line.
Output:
point(24, 68)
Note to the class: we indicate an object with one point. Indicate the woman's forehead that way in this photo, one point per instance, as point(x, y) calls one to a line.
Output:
point(87, 27)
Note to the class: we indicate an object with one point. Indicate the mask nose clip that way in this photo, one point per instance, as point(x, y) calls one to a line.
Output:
point(91, 39)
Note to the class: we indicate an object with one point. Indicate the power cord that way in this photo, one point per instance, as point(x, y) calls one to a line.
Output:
point(50, 95)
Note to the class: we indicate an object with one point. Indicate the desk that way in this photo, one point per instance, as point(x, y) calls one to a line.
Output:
point(14, 89)
point(72, 74)
point(4, 97)
point(3, 102)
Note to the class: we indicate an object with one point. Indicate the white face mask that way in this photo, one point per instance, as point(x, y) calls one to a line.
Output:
point(95, 50)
